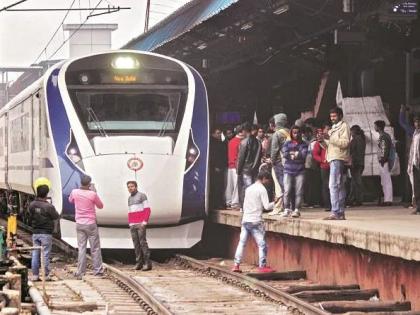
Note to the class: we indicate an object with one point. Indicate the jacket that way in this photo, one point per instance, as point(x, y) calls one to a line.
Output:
point(233, 150)
point(384, 147)
point(357, 150)
point(338, 144)
point(294, 166)
point(41, 216)
point(249, 157)
point(319, 153)
point(218, 154)
point(277, 141)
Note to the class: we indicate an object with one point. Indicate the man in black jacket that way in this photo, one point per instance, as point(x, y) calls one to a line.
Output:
point(385, 161)
point(218, 165)
point(249, 159)
point(41, 217)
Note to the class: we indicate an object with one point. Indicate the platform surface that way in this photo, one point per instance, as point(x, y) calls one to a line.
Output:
point(390, 231)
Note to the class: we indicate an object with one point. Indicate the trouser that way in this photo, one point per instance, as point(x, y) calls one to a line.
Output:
point(295, 182)
point(356, 185)
point(231, 193)
point(217, 184)
point(278, 174)
point(141, 248)
point(325, 178)
point(416, 186)
point(244, 181)
point(386, 182)
point(258, 233)
point(337, 187)
point(89, 232)
point(312, 186)
point(44, 240)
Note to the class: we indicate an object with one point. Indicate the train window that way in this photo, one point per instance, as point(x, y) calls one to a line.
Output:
point(119, 110)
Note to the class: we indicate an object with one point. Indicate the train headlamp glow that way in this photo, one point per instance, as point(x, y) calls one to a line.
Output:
point(84, 78)
point(125, 62)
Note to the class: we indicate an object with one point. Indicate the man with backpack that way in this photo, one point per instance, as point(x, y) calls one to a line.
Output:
point(386, 161)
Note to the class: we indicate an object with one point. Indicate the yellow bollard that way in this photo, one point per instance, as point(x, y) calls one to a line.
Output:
point(11, 229)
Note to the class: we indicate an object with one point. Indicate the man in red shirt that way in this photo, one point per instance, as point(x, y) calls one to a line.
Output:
point(231, 193)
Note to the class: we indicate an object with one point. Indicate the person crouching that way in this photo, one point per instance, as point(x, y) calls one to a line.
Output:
point(138, 217)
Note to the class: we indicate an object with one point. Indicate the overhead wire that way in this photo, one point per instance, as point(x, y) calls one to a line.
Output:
point(75, 31)
point(55, 33)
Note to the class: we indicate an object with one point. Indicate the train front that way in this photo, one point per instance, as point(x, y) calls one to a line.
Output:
point(135, 116)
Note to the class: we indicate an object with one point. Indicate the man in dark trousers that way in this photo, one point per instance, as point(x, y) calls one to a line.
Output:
point(249, 160)
point(41, 217)
point(138, 217)
point(218, 165)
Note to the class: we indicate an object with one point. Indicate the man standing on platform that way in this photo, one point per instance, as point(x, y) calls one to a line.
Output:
point(385, 161)
point(85, 200)
point(337, 140)
point(41, 218)
point(218, 164)
point(256, 200)
point(231, 193)
point(138, 217)
point(414, 162)
point(279, 137)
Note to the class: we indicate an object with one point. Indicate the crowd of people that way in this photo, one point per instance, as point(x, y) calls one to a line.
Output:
point(311, 163)
point(86, 200)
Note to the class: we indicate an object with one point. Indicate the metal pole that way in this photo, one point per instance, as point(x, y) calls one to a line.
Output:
point(44, 292)
point(146, 21)
point(407, 78)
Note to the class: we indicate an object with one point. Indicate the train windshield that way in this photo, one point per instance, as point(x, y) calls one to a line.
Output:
point(122, 110)
point(128, 92)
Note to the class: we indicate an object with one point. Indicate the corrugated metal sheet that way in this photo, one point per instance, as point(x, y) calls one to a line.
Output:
point(178, 23)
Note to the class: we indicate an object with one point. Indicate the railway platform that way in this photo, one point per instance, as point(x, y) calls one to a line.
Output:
point(374, 246)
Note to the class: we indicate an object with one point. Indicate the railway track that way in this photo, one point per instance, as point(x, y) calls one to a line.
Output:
point(184, 285)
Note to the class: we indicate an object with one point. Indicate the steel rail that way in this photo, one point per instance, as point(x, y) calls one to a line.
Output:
point(257, 285)
point(138, 292)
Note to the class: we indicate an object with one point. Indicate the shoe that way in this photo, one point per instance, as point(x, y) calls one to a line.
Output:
point(138, 266)
point(236, 268)
point(265, 269)
point(296, 213)
point(335, 217)
point(229, 207)
point(99, 274)
point(275, 212)
point(286, 213)
point(416, 212)
point(147, 267)
point(386, 204)
point(35, 278)
point(77, 276)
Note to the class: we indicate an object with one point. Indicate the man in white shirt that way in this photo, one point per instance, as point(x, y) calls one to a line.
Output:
point(256, 200)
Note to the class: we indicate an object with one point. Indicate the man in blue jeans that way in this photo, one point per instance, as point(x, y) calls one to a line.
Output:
point(256, 200)
point(41, 217)
point(338, 141)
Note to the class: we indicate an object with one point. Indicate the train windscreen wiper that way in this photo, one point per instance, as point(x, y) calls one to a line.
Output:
point(94, 118)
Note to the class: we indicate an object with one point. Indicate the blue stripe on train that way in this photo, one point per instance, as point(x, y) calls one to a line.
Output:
point(60, 126)
point(195, 181)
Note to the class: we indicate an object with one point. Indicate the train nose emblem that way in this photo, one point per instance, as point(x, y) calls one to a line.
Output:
point(135, 164)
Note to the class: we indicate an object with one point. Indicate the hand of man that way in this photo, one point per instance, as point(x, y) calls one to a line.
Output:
point(144, 223)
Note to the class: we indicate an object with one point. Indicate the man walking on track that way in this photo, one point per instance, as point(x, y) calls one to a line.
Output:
point(138, 217)
point(85, 199)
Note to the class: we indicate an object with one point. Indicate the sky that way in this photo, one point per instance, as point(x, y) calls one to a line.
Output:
point(24, 35)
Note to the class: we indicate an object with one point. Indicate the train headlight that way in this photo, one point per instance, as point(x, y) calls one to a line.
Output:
point(125, 63)
point(192, 153)
point(84, 78)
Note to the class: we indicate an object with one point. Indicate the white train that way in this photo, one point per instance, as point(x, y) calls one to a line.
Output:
point(116, 116)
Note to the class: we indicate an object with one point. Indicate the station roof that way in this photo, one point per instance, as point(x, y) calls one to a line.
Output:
point(181, 21)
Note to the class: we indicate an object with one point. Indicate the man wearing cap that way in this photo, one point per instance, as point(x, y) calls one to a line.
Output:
point(41, 217)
